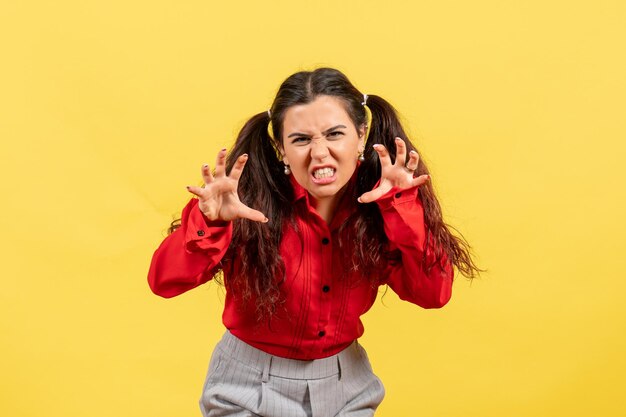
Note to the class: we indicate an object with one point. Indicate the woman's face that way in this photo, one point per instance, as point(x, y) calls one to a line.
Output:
point(321, 146)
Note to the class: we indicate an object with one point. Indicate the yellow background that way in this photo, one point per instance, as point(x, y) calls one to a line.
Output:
point(108, 109)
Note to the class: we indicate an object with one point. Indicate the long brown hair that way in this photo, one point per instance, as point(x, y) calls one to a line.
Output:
point(264, 186)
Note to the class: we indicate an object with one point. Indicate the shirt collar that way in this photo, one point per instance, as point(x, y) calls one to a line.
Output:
point(346, 206)
point(298, 191)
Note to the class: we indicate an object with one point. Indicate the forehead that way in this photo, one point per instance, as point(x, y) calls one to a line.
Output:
point(320, 114)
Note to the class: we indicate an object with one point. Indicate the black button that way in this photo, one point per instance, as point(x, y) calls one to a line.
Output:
point(325, 288)
point(398, 195)
point(321, 333)
point(325, 241)
point(200, 232)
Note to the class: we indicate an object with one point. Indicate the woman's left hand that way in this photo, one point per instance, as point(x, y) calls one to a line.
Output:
point(398, 174)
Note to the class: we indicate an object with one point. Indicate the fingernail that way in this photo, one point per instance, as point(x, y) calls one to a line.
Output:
point(266, 220)
point(205, 166)
point(245, 155)
point(359, 200)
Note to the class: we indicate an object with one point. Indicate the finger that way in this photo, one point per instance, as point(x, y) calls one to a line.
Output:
point(254, 215)
point(421, 180)
point(413, 162)
point(197, 191)
point(400, 152)
point(220, 163)
point(383, 155)
point(373, 195)
point(207, 177)
point(235, 173)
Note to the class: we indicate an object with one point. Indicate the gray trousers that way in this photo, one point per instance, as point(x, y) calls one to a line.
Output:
point(245, 381)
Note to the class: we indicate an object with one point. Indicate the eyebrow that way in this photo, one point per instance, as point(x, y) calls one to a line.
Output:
point(324, 132)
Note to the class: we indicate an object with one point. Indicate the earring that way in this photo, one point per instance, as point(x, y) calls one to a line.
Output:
point(287, 170)
point(361, 157)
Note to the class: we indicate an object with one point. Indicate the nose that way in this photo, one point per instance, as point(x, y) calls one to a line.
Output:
point(319, 150)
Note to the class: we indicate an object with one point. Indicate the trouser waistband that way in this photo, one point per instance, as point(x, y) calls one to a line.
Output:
point(273, 365)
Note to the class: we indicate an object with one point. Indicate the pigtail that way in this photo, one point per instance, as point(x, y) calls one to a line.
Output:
point(385, 127)
point(262, 186)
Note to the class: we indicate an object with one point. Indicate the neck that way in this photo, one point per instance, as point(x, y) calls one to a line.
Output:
point(326, 207)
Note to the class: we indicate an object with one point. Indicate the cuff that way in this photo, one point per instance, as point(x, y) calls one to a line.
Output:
point(397, 196)
point(202, 233)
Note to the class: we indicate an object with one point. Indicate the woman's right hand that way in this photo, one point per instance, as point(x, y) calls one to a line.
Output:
point(218, 198)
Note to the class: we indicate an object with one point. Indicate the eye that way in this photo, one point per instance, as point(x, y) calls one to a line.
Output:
point(300, 140)
point(336, 134)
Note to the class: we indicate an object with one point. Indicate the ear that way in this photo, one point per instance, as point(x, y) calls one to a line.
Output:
point(362, 130)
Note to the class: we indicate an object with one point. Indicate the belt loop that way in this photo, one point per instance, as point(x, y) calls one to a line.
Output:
point(266, 368)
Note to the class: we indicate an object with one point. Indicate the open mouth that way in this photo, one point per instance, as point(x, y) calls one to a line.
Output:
point(323, 173)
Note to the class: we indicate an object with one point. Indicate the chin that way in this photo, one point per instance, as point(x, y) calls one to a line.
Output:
point(325, 193)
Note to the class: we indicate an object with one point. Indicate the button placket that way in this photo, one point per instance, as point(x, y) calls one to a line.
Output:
point(327, 270)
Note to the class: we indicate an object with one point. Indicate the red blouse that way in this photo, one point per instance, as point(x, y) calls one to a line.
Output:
point(324, 300)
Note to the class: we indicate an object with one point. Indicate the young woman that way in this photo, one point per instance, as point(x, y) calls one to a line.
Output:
point(311, 211)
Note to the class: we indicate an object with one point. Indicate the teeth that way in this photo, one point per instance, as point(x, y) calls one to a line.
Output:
point(323, 173)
